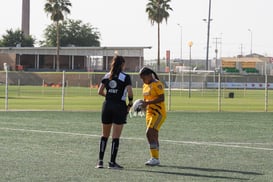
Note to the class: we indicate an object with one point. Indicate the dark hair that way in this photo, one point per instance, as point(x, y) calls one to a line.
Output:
point(116, 66)
point(147, 71)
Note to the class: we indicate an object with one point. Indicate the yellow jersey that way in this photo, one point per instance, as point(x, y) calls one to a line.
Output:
point(152, 91)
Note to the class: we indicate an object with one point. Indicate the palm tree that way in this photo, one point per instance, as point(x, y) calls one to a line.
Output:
point(157, 12)
point(56, 9)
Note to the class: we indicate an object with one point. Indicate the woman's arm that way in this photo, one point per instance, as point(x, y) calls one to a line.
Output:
point(130, 91)
point(160, 98)
point(130, 96)
point(101, 90)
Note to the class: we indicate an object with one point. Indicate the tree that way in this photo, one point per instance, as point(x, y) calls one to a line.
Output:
point(56, 9)
point(15, 38)
point(157, 12)
point(72, 32)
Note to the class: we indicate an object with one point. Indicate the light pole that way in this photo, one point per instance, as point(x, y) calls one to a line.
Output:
point(190, 43)
point(208, 36)
point(180, 41)
point(181, 53)
point(250, 40)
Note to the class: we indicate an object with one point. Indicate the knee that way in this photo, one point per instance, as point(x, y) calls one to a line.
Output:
point(148, 133)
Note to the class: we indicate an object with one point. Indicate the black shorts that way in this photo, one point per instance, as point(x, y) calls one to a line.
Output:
point(114, 112)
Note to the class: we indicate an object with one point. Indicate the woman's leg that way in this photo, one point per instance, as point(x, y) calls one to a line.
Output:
point(117, 129)
point(152, 137)
point(106, 129)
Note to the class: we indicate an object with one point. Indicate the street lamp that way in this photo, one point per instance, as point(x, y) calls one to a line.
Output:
point(180, 40)
point(190, 43)
point(208, 35)
point(250, 40)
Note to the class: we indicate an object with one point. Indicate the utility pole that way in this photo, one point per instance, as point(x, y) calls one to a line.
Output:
point(217, 40)
point(208, 36)
point(241, 47)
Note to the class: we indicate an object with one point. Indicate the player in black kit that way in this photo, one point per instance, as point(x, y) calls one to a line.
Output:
point(114, 86)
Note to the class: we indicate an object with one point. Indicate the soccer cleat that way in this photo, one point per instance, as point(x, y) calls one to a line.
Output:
point(113, 165)
point(99, 164)
point(152, 162)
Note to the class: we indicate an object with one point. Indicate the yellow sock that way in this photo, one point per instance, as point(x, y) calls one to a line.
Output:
point(154, 153)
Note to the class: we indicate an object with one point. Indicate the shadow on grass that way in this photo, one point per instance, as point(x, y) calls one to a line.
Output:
point(213, 170)
point(154, 170)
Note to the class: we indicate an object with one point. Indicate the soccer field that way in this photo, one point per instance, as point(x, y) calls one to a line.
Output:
point(29, 98)
point(63, 146)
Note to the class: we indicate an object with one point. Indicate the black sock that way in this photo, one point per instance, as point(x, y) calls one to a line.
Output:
point(103, 143)
point(114, 149)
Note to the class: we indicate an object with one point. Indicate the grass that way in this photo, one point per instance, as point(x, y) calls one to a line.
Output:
point(195, 146)
point(86, 99)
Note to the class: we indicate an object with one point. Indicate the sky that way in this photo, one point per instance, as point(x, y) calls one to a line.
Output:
point(125, 23)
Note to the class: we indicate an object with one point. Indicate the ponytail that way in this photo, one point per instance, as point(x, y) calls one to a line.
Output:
point(116, 66)
point(148, 71)
point(155, 75)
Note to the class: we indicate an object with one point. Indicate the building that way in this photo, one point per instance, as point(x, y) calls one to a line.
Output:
point(250, 64)
point(71, 58)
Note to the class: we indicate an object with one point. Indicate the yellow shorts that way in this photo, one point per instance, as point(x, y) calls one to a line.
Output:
point(154, 120)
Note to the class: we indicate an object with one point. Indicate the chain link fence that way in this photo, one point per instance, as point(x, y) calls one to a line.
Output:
point(188, 91)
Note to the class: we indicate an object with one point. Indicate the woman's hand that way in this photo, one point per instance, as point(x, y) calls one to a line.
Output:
point(145, 104)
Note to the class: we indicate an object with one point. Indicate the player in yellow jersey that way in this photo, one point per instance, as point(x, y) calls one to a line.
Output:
point(153, 93)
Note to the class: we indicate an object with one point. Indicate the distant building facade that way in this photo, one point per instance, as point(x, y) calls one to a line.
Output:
point(249, 64)
point(71, 58)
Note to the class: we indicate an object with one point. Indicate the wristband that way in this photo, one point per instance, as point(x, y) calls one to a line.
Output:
point(130, 98)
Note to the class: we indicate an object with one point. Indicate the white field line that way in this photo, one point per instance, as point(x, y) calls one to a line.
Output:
point(216, 144)
point(219, 144)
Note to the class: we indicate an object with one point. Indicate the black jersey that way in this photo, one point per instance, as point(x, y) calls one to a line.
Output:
point(116, 88)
